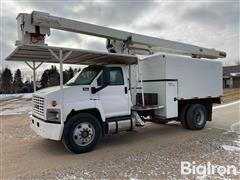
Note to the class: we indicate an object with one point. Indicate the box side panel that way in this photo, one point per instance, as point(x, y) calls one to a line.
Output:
point(153, 68)
point(154, 71)
point(196, 78)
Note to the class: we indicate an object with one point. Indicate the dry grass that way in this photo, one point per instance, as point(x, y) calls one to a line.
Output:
point(231, 94)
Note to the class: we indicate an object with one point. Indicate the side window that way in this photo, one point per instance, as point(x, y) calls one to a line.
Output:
point(116, 76)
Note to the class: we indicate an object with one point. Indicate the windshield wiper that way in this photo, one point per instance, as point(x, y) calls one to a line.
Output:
point(71, 84)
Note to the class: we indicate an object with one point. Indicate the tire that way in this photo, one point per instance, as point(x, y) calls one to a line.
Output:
point(182, 117)
point(81, 133)
point(196, 117)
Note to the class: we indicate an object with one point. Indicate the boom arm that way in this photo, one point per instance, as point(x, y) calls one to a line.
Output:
point(33, 28)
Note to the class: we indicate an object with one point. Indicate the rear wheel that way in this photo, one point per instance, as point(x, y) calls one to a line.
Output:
point(182, 117)
point(81, 133)
point(196, 116)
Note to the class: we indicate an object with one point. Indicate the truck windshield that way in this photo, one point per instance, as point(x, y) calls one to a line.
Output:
point(85, 77)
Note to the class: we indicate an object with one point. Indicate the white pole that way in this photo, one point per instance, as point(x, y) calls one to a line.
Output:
point(61, 59)
point(34, 68)
point(61, 84)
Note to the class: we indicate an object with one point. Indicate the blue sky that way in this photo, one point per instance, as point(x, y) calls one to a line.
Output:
point(212, 24)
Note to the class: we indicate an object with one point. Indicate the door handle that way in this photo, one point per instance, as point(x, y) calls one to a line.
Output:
point(126, 90)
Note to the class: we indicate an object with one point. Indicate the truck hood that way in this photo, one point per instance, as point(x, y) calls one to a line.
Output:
point(49, 90)
point(71, 93)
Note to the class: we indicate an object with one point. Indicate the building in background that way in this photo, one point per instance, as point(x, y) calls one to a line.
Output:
point(231, 76)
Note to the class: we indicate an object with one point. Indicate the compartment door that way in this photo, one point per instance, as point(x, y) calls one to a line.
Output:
point(171, 99)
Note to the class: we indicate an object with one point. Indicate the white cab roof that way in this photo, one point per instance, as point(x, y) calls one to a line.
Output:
point(78, 56)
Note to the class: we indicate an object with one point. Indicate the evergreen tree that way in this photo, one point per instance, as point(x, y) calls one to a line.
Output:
point(27, 87)
point(70, 73)
point(53, 76)
point(45, 78)
point(65, 77)
point(7, 81)
point(17, 82)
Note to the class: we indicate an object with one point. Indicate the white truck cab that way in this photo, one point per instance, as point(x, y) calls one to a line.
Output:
point(87, 90)
point(118, 91)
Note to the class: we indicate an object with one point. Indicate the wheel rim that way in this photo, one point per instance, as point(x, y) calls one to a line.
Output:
point(83, 134)
point(199, 117)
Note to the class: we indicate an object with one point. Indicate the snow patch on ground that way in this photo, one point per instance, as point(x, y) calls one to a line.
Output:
point(237, 142)
point(12, 104)
point(17, 108)
point(235, 127)
point(5, 97)
point(234, 147)
point(231, 148)
point(68, 177)
point(27, 95)
point(226, 105)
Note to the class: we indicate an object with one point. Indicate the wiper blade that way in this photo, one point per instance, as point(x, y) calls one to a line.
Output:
point(70, 84)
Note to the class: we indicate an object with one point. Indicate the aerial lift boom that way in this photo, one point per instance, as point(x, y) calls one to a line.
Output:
point(35, 26)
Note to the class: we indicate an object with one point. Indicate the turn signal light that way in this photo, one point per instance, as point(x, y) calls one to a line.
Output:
point(54, 103)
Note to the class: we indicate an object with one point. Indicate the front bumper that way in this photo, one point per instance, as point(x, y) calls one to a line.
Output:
point(45, 129)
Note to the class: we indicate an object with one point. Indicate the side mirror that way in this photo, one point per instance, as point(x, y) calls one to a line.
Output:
point(103, 81)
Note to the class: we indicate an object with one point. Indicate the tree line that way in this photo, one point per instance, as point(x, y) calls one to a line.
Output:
point(10, 83)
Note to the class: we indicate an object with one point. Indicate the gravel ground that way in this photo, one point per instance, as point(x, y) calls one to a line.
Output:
point(152, 152)
point(161, 163)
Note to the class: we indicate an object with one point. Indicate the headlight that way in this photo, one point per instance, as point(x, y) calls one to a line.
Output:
point(53, 115)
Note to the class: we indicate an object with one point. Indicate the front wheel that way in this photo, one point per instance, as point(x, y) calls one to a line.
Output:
point(196, 117)
point(81, 133)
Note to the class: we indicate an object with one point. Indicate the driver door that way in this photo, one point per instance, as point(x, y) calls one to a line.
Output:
point(115, 98)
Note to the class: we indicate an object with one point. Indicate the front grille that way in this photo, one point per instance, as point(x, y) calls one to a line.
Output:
point(38, 106)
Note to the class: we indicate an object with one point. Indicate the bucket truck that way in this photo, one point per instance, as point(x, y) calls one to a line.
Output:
point(118, 90)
